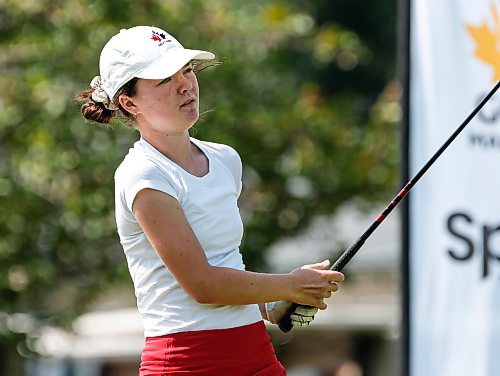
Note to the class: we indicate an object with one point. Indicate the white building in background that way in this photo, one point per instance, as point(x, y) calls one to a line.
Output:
point(357, 335)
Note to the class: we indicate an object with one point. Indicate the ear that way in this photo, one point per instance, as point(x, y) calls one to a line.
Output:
point(128, 104)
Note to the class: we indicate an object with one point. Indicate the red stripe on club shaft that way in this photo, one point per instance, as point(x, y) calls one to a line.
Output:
point(402, 193)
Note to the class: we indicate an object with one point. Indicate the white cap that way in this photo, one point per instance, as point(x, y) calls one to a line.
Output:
point(143, 52)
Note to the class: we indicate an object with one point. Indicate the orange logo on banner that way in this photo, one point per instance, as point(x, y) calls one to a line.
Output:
point(488, 42)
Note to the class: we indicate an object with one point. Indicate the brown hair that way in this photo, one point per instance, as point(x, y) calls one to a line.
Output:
point(96, 111)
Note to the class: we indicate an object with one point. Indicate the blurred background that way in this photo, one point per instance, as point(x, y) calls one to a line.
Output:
point(308, 94)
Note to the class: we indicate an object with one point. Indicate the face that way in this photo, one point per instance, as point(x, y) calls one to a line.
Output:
point(167, 106)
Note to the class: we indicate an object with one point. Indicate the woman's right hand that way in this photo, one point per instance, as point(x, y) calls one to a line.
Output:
point(313, 283)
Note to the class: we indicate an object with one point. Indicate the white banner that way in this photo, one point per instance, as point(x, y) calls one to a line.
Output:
point(454, 210)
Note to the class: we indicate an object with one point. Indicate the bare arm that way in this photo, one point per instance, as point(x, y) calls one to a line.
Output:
point(164, 223)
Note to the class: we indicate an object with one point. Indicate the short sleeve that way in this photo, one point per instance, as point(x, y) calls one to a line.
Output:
point(147, 174)
point(233, 163)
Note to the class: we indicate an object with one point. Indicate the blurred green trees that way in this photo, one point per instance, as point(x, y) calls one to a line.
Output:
point(307, 95)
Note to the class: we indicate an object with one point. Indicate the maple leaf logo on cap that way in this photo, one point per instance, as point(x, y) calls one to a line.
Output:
point(488, 42)
point(159, 37)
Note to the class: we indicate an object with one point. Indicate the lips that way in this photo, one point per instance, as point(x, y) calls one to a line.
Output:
point(188, 102)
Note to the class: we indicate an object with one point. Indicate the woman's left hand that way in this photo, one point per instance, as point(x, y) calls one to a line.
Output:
point(301, 317)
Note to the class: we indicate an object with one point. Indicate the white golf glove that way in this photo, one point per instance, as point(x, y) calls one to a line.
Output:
point(301, 317)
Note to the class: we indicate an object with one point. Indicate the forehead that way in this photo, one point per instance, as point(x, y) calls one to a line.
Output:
point(151, 83)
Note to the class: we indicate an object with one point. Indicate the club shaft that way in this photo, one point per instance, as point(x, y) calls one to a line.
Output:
point(349, 253)
point(286, 324)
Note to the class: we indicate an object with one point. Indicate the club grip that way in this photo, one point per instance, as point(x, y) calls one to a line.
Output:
point(285, 323)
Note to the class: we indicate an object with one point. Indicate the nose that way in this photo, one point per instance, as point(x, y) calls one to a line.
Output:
point(184, 84)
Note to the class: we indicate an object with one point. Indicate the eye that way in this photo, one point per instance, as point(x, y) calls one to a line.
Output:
point(166, 80)
point(188, 70)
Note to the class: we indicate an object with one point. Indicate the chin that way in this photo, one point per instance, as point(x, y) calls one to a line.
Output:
point(194, 116)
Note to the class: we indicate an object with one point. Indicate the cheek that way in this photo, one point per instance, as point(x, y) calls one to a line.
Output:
point(194, 83)
point(159, 103)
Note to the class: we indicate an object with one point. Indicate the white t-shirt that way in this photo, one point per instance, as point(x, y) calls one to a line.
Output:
point(210, 205)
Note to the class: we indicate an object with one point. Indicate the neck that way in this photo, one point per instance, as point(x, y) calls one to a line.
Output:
point(177, 147)
point(182, 152)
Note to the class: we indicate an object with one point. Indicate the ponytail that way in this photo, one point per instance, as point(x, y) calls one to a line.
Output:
point(98, 112)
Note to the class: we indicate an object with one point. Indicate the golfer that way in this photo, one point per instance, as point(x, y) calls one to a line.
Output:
point(179, 223)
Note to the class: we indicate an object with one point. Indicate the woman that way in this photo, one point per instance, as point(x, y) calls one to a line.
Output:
point(179, 223)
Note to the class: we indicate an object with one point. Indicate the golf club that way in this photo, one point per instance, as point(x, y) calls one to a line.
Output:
point(285, 323)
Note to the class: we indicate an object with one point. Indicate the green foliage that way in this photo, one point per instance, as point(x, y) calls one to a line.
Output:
point(306, 94)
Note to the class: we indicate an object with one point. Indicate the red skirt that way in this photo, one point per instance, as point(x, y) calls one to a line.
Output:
point(242, 351)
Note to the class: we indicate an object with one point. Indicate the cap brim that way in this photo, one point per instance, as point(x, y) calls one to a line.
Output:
point(173, 61)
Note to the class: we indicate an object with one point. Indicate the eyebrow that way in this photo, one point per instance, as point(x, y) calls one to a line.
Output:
point(185, 65)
